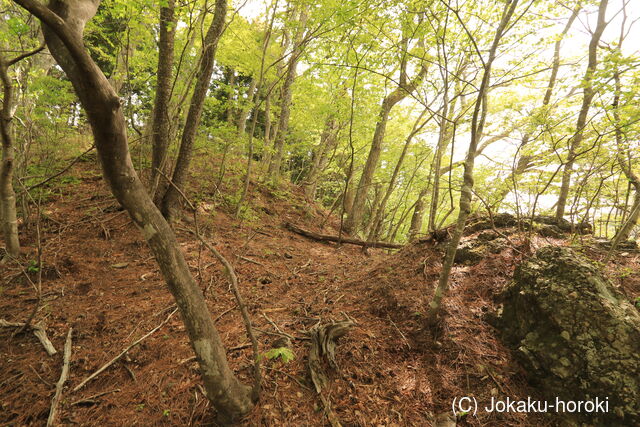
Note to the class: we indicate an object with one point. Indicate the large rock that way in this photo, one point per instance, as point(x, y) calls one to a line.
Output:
point(576, 336)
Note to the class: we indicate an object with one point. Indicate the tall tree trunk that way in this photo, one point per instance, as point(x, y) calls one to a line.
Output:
point(588, 94)
point(626, 164)
point(354, 220)
point(63, 30)
point(375, 203)
point(477, 125)
point(161, 124)
point(267, 119)
point(275, 164)
point(328, 142)
point(244, 110)
point(7, 195)
point(444, 137)
point(378, 217)
point(171, 197)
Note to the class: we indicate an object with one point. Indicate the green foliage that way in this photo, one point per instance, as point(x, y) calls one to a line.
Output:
point(283, 353)
point(32, 266)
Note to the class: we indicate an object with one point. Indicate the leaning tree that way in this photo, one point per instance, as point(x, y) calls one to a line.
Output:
point(63, 27)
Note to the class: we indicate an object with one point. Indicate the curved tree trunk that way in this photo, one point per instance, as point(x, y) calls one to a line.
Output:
point(161, 124)
point(63, 29)
point(172, 196)
point(588, 95)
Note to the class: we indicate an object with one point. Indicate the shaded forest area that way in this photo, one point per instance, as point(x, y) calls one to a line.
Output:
point(319, 213)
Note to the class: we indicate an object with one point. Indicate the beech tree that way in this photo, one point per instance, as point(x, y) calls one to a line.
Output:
point(63, 26)
point(581, 124)
point(477, 126)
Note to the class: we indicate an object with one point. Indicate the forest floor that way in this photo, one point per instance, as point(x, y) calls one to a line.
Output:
point(99, 277)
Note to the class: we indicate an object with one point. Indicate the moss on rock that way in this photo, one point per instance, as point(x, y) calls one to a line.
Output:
point(576, 336)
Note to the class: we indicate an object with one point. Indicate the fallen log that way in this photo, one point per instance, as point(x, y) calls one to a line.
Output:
point(327, 238)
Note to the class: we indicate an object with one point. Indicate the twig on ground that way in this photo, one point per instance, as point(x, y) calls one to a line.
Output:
point(123, 352)
point(63, 378)
point(95, 396)
point(399, 331)
point(250, 260)
point(38, 375)
point(291, 337)
point(223, 313)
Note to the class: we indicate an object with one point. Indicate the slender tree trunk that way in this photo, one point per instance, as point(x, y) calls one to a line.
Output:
point(244, 111)
point(477, 125)
point(328, 142)
point(172, 196)
point(588, 94)
point(257, 88)
point(556, 54)
point(275, 165)
point(356, 212)
point(161, 124)
point(443, 142)
point(627, 168)
point(375, 203)
point(8, 214)
point(378, 217)
point(267, 120)
point(63, 28)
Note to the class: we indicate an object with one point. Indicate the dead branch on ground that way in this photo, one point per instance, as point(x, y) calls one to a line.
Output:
point(63, 378)
point(327, 238)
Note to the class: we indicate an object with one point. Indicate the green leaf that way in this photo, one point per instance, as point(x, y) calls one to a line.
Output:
point(284, 353)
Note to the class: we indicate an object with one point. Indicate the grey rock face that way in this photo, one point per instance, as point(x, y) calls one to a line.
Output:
point(576, 336)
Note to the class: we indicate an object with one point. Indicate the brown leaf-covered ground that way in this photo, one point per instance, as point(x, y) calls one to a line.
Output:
point(99, 278)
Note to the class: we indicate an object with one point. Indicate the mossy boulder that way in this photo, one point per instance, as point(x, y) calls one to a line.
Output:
point(475, 250)
point(575, 335)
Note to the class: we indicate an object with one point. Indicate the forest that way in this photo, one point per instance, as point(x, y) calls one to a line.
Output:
point(320, 212)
